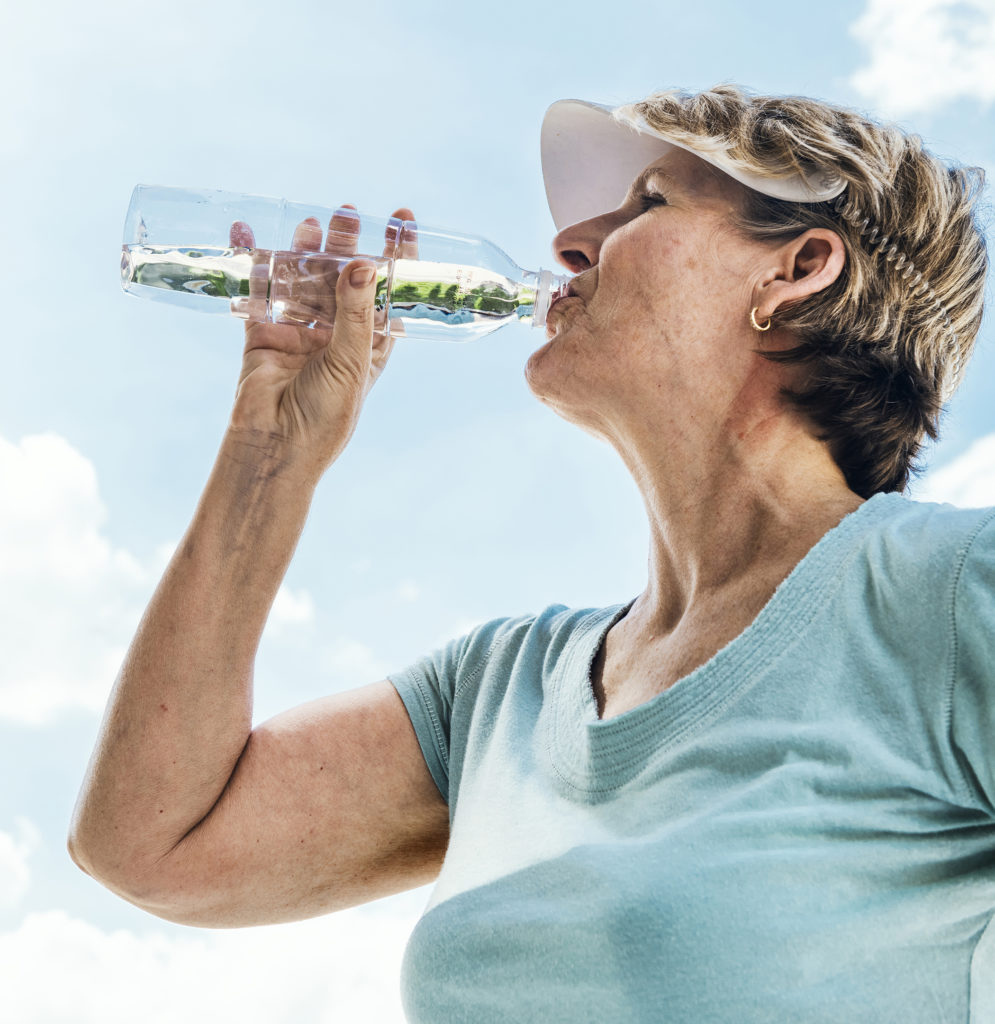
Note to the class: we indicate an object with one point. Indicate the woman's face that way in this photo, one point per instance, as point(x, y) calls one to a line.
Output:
point(658, 315)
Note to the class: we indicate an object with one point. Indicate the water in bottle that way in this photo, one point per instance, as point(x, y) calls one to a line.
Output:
point(230, 253)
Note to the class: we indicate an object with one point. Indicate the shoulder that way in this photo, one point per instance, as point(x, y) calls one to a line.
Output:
point(916, 543)
point(974, 582)
point(545, 636)
point(501, 648)
point(932, 567)
point(972, 697)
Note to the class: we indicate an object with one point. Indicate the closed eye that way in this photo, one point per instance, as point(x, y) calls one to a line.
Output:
point(649, 199)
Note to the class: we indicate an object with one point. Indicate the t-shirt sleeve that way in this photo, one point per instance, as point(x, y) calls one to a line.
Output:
point(973, 695)
point(427, 689)
point(431, 687)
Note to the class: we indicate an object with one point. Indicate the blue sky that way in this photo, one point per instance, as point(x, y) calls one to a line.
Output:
point(460, 498)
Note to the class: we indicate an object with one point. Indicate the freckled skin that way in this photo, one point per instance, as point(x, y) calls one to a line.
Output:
point(655, 354)
point(654, 310)
point(190, 809)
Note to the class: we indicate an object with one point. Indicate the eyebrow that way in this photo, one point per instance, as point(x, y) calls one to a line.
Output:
point(646, 176)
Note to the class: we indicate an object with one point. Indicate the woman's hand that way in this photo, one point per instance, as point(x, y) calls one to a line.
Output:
point(177, 785)
point(302, 388)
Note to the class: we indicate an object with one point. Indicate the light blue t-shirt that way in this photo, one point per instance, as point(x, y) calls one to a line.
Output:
point(801, 831)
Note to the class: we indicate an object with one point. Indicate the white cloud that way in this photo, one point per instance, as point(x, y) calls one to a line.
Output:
point(968, 481)
point(15, 851)
point(69, 599)
point(349, 663)
point(344, 967)
point(291, 607)
point(925, 53)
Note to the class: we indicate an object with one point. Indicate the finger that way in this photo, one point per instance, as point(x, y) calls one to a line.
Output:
point(252, 306)
point(401, 236)
point(352, 332)
point(307, 236)
point(343, 231)
point(240, 235)
point(383, 345)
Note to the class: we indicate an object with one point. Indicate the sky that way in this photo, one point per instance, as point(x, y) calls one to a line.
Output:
point(459, 499)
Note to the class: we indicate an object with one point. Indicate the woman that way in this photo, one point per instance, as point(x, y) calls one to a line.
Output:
point(762, 791)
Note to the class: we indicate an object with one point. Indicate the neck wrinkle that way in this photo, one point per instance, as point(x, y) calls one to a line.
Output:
point(733, 517)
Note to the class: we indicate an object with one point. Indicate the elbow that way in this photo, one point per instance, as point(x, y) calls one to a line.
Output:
point(101, 848)
point(92, 849)
point(147, 888)
point(111, 870)
point(82, 839)
point(77, 849)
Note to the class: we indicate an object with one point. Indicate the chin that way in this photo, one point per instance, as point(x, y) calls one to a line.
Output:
point(556, 384)
point(540, 374)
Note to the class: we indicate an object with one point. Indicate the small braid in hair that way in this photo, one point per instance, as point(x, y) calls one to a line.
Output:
point(919, 287)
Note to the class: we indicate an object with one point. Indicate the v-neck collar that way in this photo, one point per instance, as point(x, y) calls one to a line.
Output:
point(593, 756)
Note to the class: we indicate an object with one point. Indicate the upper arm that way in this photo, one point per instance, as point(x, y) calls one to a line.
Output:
point(330, 805)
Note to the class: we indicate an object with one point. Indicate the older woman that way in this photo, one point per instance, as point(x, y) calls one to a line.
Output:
point(764, 790)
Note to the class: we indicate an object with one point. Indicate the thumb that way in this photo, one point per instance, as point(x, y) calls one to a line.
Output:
point(352, 330)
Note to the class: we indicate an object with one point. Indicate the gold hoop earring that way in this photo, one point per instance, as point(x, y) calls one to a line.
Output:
point(753, 321)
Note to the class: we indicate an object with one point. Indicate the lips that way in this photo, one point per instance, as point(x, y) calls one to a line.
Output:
point(569, 292)
point(559, 306)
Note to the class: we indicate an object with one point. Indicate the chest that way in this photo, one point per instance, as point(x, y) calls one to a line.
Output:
point(721, 907)
point(631, 669)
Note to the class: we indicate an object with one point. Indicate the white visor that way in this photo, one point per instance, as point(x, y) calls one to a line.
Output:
point(592, 153)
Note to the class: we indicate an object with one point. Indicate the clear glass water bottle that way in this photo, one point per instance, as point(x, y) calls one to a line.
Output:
point(230, 253)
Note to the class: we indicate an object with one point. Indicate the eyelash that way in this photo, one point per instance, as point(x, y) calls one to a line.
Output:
point(647, 200)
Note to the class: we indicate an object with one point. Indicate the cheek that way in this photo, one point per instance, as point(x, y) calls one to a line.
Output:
point(643, 275)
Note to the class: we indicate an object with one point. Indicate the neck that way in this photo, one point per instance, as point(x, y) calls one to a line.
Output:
point(731, 513)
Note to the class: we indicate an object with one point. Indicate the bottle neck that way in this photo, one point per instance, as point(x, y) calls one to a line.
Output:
point(548, 287)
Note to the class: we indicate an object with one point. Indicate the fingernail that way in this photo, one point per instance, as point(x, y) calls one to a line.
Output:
point(360, 277)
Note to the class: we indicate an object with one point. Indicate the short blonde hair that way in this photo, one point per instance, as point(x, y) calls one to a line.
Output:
point(887, 343)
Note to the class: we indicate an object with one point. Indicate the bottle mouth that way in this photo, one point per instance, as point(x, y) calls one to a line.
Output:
point(551, 287)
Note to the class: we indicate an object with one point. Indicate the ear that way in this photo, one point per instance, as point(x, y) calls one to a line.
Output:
point(803, 266)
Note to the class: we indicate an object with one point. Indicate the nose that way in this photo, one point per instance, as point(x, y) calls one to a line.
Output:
point(578, 246)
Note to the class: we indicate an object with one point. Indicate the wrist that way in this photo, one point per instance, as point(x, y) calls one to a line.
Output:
point(262, 458)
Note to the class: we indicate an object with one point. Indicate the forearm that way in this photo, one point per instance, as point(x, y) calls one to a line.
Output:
point(181, 710)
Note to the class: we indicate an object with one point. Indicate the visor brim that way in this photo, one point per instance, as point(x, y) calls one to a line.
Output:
point(589, 159)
